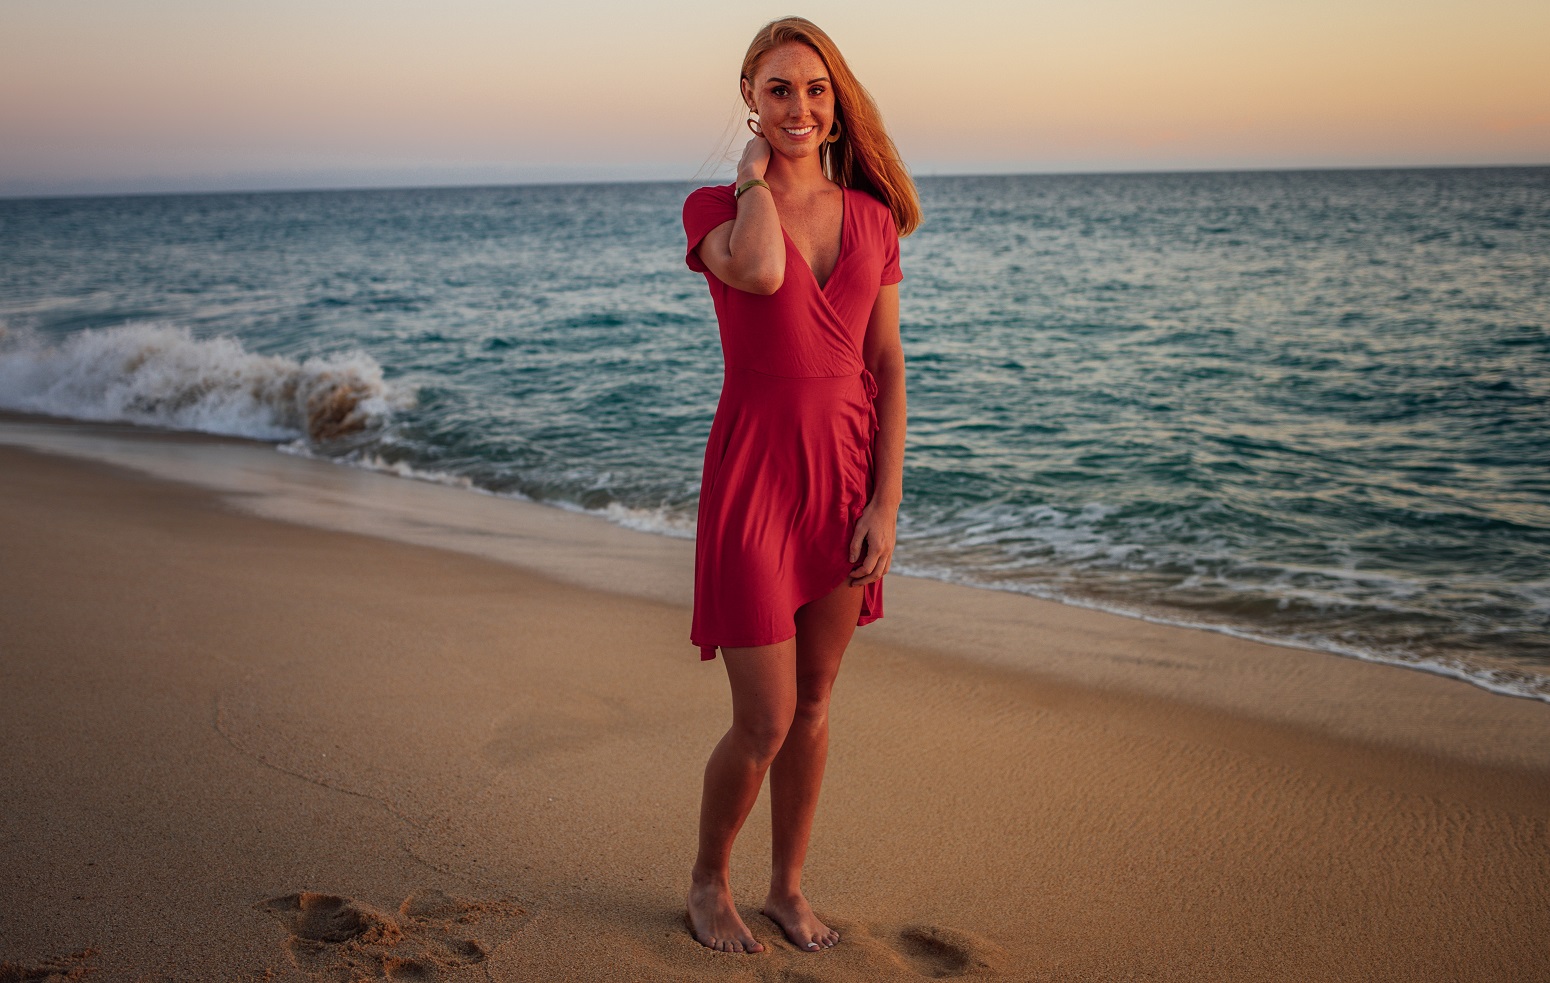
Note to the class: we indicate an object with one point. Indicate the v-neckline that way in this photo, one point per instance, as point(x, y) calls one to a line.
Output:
point(838, 257)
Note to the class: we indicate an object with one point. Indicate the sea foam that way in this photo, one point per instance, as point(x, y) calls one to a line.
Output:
point(161, 375)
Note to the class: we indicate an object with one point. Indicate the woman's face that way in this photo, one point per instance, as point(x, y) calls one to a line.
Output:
point(792, 94)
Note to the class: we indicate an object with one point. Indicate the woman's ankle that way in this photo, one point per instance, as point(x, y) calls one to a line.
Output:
point(784, 892)
point(710, 877)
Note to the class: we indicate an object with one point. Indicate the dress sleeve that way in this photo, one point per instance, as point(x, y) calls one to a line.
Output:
point(705, 209)
point(891, 271)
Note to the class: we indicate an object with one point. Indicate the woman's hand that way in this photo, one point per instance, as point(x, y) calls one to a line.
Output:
point(875, 531)
point(755, 160)
point(749, 252)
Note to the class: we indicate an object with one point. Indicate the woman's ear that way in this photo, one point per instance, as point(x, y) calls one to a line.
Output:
point(747, 88)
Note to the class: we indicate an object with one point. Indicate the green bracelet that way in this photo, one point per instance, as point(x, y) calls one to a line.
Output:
point(755, 183)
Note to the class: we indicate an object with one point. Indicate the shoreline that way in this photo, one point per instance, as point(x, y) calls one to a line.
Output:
point(1156, 614)
point(346, 752)
point(1082, 645)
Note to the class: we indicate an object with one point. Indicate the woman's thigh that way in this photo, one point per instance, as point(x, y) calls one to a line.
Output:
point(824, 629)
point(764, 685)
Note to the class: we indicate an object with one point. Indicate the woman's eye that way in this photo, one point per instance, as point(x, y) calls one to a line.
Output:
point(779, 90)
point(815, 91)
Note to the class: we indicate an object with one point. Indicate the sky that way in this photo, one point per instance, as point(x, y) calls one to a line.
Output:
point(108, 96)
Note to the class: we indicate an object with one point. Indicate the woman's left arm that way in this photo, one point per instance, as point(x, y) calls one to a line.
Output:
point(884, 357)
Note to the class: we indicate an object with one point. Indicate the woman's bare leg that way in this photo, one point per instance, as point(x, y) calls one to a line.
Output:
point(824, 628)
point(764, 697)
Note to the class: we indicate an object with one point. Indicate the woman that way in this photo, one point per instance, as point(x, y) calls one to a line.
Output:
point(804, 466)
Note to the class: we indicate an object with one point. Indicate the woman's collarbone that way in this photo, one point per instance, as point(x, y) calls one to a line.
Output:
point(815, 228)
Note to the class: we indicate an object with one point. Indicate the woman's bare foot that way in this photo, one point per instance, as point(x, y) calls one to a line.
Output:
point(795, 917)
point(714, 921)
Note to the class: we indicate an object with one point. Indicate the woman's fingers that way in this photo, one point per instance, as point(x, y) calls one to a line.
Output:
point(872, 567)
point(756, 156)
point(874, 532)
point(859, 579)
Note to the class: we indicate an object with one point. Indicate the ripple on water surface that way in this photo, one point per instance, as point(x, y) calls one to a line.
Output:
point(1307, 406)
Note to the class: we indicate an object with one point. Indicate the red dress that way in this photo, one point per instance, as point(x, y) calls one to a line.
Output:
point(788, 467)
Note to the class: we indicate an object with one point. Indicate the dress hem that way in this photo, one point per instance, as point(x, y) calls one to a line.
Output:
point(708, 652)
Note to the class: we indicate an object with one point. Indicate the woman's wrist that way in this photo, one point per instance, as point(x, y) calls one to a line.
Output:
point(884, 498)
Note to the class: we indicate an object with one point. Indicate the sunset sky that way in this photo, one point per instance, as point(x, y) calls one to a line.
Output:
point(129, 95)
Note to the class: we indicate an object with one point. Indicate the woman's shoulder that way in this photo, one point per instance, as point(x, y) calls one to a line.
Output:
point(870, 209)
point(706, 208)
point(717, 195)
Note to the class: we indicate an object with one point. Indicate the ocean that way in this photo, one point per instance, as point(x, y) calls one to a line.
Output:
point(1305, 407)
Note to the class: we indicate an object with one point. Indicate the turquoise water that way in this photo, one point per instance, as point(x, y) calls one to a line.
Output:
point(1304, 406)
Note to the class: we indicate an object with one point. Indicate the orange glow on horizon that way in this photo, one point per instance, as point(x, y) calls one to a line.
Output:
point(98, 88)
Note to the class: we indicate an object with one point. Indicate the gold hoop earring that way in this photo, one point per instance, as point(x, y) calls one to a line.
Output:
point(834, 133)
point(753, 124)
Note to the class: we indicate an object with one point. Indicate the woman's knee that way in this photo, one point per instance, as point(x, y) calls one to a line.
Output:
point(762, 735)
point(812, 712)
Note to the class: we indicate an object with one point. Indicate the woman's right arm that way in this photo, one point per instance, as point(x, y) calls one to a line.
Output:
point(749, 252)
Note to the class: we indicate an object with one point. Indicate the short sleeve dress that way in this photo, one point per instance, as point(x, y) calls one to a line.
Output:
point(789, 463)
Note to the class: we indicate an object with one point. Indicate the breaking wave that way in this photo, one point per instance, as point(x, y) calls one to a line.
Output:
point(161, 375)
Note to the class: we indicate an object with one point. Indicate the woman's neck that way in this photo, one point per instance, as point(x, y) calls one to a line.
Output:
point(796, 174)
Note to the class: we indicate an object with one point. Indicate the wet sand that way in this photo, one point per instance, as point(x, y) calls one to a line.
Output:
point(245, 748)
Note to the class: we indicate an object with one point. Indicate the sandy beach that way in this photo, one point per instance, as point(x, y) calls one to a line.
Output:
point(278, 719)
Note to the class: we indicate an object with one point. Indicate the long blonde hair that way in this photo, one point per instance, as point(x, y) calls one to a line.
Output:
point(864, 156)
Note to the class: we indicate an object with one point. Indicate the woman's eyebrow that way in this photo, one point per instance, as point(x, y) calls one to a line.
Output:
point(821, 78)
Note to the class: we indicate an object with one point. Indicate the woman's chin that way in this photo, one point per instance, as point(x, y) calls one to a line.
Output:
point(797, 151)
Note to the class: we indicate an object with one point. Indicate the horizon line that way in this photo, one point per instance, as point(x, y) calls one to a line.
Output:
point(578, 182)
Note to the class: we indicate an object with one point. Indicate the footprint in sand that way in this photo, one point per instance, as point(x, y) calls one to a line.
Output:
point(939, 953)
point(335, 938)
point(56, 969)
